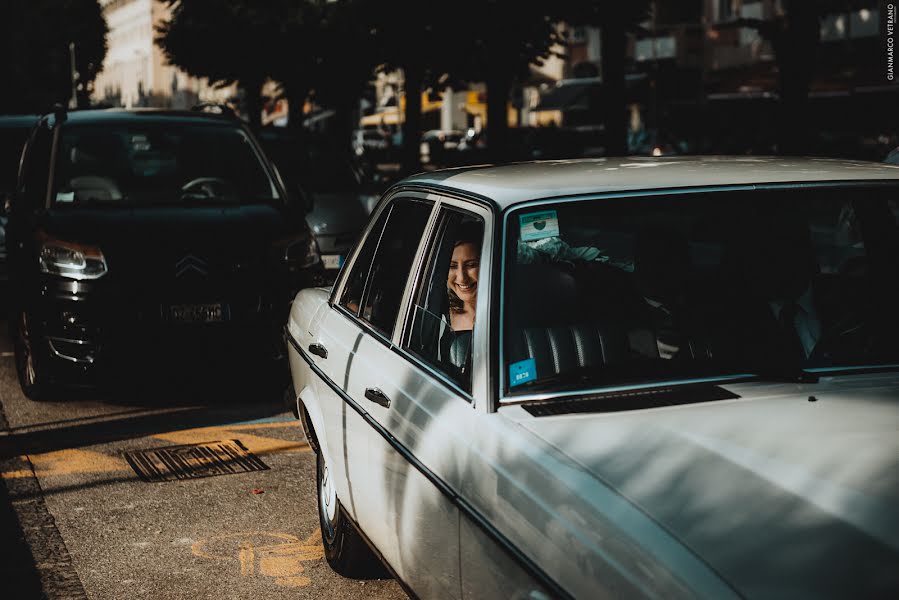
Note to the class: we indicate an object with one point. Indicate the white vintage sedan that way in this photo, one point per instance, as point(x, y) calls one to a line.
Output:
point(649, 378)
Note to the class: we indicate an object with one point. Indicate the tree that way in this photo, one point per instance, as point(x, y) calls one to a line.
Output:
point(36, 70)
point(498, 47)
point(614, 19)
point(224, 41)
point(406, 34)
point(794, 35)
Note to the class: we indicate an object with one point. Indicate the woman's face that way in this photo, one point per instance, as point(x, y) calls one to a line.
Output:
point(463, 272)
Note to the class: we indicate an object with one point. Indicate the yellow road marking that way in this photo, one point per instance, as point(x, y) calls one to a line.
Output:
point(255, 552)
point(76, 461)
point(256, 444)
point(69, 462)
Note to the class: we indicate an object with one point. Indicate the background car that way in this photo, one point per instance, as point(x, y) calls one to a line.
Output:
point(141, 240)
point(14, 130)
point(328, 184)
point(680, 382)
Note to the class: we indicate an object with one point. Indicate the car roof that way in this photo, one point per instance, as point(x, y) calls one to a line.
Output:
point(18, 121)
point(144, 115)
point(510, 184)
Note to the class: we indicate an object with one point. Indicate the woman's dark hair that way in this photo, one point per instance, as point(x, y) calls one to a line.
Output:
point(469, 232)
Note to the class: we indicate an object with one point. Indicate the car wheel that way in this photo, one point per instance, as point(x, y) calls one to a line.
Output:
point(345, 550)
point(33, 377)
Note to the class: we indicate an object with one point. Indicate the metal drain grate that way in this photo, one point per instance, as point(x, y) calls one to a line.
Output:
point(194, 461)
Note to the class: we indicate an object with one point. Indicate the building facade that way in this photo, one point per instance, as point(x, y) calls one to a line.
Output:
point(135, 72)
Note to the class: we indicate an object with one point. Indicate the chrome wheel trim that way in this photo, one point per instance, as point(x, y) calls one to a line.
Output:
point(327, 499)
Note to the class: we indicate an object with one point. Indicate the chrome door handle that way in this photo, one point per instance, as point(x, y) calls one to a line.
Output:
point(377, 396)
point(318, 350)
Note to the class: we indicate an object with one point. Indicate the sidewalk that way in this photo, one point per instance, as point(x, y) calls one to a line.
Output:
point(18, 574)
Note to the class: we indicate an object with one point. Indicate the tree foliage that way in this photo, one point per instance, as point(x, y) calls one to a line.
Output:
point(34, 41)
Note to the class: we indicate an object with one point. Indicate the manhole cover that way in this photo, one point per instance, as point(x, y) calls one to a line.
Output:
point(193, 461)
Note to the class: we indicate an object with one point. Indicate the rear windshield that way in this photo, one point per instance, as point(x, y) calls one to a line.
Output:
point(159, 163)
point(699, 285)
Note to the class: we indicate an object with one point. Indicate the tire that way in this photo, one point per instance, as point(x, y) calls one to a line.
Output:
point(30, 369)
point(345, 550)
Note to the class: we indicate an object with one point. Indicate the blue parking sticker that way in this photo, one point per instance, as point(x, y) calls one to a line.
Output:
point(539, 225)
point(522, 372)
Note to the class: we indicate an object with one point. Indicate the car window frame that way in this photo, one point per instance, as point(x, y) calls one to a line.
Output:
point(502, 398)
point(386, 203)
point(480, 335)
point(480, 396)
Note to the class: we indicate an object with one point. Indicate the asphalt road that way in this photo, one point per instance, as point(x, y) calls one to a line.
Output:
point(95, 529)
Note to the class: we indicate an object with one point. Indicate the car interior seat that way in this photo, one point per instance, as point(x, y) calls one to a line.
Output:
point(548, 324)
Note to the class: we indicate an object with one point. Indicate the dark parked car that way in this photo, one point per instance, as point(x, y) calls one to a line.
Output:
point(135, 236)
point(14, 131)
point(314, 170)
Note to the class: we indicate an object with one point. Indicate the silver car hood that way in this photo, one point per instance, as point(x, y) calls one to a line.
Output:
point(781, 495)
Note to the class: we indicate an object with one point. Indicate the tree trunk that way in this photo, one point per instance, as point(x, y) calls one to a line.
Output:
point(345, 120)
point(613, 46)
point(411, 152)
point(252, 87)
point(296, 98)
point(795, 53)
point(498, 85)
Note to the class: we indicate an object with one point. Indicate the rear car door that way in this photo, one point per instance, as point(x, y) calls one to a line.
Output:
point(366, 308)
point(335, 334)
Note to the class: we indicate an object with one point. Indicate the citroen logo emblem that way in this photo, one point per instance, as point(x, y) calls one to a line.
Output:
point(191, 264)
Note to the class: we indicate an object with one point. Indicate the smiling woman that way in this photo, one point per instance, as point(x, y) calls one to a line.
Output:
point(444, 313)
point(462, 278)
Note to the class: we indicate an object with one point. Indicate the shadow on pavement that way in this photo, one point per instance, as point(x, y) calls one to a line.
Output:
point(17, 571)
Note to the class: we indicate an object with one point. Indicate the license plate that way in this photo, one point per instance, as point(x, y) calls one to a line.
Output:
point(197, 313)
point(332, 261)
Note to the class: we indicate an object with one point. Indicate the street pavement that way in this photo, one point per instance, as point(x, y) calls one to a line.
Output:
point(81, 523)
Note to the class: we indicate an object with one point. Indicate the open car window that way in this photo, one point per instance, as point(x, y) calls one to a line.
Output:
point(166, 163)
point(601, 292)
point(443, 307)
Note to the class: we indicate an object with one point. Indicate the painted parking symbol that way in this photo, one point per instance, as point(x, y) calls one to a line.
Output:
point(269, 554)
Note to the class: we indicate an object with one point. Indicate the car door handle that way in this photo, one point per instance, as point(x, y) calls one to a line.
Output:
point(318, 350)
point(377, 396)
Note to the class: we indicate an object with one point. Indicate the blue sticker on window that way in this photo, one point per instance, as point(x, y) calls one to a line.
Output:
point(522, 372)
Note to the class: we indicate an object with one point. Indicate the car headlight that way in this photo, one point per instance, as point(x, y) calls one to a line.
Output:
point(300, 251)
point(68, 259)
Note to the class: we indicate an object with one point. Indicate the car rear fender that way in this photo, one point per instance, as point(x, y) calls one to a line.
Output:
point(311, 419)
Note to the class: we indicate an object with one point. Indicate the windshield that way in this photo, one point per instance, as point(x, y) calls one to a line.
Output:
point(168, 163)
point(612, 291)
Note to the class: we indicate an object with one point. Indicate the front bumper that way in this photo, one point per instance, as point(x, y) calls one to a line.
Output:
point(88, 329)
